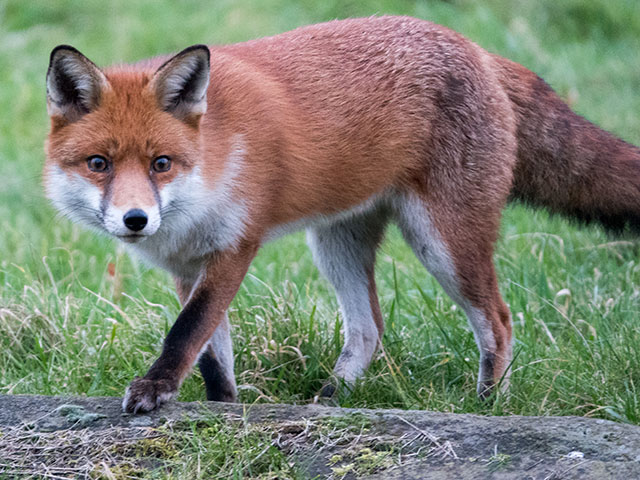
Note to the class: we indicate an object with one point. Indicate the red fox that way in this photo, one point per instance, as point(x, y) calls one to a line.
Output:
point(196, 160)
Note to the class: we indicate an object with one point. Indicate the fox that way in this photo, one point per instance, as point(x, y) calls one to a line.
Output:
point(195, 160)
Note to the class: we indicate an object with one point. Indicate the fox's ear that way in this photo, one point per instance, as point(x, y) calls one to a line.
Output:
point(74, 84)
point(180, 84)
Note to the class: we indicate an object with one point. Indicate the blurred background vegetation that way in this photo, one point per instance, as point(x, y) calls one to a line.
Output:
point(70, 327)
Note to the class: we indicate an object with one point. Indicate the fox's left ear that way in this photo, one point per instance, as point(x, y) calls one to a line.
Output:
point(74, 84)
point(180, 84)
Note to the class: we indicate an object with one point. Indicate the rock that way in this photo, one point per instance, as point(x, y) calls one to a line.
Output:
point(381, 444)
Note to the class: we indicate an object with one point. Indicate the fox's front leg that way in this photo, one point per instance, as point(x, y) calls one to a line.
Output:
point(195, 325)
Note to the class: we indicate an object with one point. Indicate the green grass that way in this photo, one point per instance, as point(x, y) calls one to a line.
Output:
point(68, 327)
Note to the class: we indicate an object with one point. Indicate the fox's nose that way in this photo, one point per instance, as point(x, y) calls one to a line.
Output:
point(135, 219)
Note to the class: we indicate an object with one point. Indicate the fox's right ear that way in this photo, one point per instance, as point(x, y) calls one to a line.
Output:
point(180, 84)
point(74, 84)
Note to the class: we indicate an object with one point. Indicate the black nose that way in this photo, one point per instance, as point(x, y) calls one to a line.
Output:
point(135, 219)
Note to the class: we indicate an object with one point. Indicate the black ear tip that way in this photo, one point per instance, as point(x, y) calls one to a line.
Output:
point(199, 48)
point(61, 49)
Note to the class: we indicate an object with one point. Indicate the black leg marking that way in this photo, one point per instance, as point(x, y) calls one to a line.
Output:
point(219, 389)
point(180, 338)
point(486, 380)
point(163, 378)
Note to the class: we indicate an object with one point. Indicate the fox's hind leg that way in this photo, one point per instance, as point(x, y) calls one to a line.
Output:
point(216, 360)
point(345, 253)
point(457, 249)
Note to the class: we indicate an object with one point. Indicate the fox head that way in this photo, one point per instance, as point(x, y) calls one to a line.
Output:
point(122, 140)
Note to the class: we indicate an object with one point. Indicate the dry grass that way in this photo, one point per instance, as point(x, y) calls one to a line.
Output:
point(114, 452)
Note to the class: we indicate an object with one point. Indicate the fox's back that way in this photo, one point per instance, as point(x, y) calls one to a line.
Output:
point(358, 105)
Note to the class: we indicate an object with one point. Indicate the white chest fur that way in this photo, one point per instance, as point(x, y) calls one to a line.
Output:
point(197, 219)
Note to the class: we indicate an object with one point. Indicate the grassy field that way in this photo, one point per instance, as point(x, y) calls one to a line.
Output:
point(69, 327)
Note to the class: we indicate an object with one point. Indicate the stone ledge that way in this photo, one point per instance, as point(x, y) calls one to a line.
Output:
point(458, 445)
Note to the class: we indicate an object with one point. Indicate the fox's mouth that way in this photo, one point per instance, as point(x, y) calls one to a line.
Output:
point(131, 238)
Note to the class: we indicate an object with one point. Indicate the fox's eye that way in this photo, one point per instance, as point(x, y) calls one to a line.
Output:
point(161, 164)
point(97, 163)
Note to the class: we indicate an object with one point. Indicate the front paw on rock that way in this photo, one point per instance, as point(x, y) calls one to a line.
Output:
point(143, 395)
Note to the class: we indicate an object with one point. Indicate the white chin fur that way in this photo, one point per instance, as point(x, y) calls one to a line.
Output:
point(131, 239)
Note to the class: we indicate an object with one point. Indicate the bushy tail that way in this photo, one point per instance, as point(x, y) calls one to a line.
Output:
point(565, 163)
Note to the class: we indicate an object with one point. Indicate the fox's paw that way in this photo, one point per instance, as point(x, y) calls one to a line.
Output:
point(328, 395)
point(143, 395)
